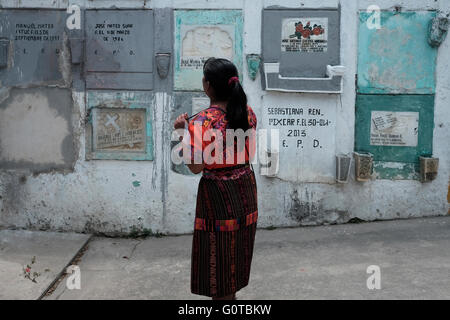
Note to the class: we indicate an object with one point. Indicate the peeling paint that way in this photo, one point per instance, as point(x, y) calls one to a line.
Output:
point(396, 170)
point(36, 130)
point(190, 78)
point(396, 59)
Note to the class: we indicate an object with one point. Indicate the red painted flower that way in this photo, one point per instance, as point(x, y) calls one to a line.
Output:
point(306, 33)
point(299, 27)
point(317, 31)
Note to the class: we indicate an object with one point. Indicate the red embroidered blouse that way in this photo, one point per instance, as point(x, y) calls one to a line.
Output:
point(213, 136)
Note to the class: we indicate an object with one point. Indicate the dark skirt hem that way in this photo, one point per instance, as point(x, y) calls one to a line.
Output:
point(216, 296)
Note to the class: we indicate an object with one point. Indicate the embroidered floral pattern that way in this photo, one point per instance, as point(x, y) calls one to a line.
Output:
point(214, 118)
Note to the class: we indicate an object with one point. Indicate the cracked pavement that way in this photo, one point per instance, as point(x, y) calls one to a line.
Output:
point(52, 252)
point(325, 262)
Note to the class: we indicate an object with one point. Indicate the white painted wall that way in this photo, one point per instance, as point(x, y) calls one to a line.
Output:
point(99, 195)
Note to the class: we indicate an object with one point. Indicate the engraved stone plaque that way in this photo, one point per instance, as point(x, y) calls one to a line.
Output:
point(119, 125)
point(394, 128)
point(119, 129)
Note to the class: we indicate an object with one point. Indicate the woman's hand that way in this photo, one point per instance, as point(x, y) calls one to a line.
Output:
point(180, 122)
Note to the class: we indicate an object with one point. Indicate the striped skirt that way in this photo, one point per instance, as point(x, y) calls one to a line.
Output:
point(224, 232)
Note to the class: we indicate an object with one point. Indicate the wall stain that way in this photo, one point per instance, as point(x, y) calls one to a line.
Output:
point(448, 196)
point(136, 183)
point(303, 211)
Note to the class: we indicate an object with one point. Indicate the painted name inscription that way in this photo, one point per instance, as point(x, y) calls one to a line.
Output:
point(298, 125)
point(35, 32)
point(113, 32)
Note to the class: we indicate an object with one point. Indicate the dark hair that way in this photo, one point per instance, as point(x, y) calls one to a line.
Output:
point(218, 72)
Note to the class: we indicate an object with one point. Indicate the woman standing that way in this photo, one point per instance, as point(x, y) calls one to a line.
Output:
point(227, 208)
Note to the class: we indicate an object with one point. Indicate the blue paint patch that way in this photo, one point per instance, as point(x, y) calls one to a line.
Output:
point(191, 78)
point(397, 58)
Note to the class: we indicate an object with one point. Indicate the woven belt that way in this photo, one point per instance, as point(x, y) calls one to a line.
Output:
point(225, 225)
point(227, 173)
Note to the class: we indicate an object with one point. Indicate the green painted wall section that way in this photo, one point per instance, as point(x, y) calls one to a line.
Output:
point(397, 58)
point(396, 170)
point(390, 160)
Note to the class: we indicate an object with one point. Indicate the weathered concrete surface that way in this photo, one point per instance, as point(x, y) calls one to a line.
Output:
point(148, 195)
point(36, 132)
point(53, 252)
point(327, 262)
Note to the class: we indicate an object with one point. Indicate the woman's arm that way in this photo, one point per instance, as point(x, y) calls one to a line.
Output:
point(180, 123)
point(196, 168)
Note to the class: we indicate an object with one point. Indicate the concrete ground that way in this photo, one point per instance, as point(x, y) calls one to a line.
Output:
point(327, 262)
point(45, 253)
